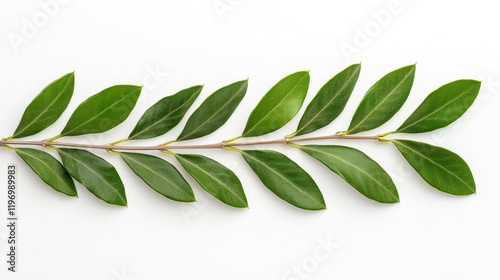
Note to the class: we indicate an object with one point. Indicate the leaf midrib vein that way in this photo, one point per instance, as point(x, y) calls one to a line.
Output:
point(154, 172)
point(328, 104)
point(284, 178)
point(45, 109)
point(166, 116)
point(213, 115)
point(102, 112)
point(97, 174)
point(383, 100)
point(275, 107)
point(438, 109)
point(214, 178)
point(439, 165)
point(45, 164)
point(356, 167)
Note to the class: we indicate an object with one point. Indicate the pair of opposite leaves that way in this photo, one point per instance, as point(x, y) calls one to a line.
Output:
point(105, 110)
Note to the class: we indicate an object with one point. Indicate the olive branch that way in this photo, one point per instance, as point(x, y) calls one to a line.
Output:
point(439, 167)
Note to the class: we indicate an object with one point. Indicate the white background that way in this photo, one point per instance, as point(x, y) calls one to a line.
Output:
point(171, 45)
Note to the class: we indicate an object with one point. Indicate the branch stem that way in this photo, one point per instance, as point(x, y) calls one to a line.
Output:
point(221, 145)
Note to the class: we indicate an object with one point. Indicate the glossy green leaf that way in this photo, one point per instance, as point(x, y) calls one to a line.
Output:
point(383, 100)
point(280, 104)
point(214, 111)
point(47, 106)
point(441, 168)
point(357, 169)
point(215, 178)
point(330, 101)
point(285, 178)
point(103, 111)
point(96, 174)
point(48, 169)
point(160, 175)
point(442, 107)
point(165, 114)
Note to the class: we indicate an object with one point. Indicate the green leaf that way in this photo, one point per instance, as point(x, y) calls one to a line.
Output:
point(215, 178)
point(442, 107)
point(280, 104)
point(285, 178)
point(441, 168)
point(48, 169)
point(214, 111)
point(160, 175)
point(165, 114)
point(357, 169)
point(96, 174)
point(383, 100)
point(47, 106)
point(103, 111)
point(330, 101)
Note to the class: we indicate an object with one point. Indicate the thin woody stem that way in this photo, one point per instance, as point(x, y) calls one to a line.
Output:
point(221, 145)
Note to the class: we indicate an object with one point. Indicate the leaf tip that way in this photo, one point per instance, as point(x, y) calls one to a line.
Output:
point(411, 66)
point(245, 81)
point(122, 203)
point(304, 72)
point(479, 82)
